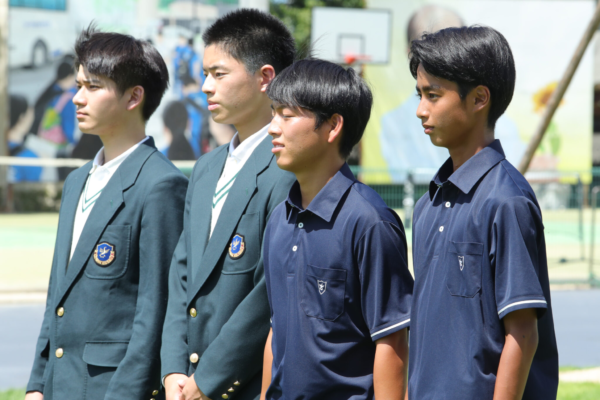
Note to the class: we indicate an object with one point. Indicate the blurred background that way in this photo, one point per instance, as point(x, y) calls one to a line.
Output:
point(42, 143)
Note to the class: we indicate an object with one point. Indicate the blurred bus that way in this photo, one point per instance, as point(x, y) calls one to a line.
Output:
point(39, 31)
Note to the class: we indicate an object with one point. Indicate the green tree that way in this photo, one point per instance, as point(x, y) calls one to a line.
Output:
point(296, 15)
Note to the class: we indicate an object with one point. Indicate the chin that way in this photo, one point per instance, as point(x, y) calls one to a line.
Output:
point(283, 165)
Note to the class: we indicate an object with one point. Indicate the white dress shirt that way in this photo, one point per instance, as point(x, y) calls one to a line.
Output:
point(237, 157)
point(98, 177)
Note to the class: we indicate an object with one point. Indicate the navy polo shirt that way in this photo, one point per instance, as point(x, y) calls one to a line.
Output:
point(337, 280)
point(479, 254)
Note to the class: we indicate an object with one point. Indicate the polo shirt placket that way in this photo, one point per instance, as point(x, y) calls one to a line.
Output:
point(479, 253)
point(337, 281)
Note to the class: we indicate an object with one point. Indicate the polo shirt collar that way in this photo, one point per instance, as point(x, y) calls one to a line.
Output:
point(465, 177)
point(326, 201)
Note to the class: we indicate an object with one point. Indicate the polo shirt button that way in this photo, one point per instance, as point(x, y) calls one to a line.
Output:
point(448, 204)
point(59, 353)
point(60, 312)
point(236, 383)
point(231, 390)
point(294, 248)
point(193, 312)
point(194, 358)
point(154, 392)
point(301, 225)
point(442, 228)
point(225, 396)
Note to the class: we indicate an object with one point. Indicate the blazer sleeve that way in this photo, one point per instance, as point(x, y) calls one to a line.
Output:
point(236, 354)
point(42, 350)
point(138, 373)
point(174, 350)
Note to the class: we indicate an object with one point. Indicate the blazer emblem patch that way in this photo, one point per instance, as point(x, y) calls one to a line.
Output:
point(105, 254)
point(237, 246)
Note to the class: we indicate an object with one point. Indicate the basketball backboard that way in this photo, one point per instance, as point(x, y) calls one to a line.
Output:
point(351, 35)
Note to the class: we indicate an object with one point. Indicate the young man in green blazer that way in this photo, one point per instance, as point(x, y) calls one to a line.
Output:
point(218, 314)
point(120, 217)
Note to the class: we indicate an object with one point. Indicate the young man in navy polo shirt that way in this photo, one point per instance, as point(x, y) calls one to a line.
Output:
point(481, 319)
point(334, 254)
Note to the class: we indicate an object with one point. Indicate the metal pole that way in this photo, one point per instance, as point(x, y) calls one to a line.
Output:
point(4, 103)
point(592, 277)
point(558, 94)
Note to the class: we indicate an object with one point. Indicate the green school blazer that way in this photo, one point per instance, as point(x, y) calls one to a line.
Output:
point(218, 314)
point(101, 334)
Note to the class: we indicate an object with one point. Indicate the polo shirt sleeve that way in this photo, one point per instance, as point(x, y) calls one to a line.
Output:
point(517, 235)
point(386, 283)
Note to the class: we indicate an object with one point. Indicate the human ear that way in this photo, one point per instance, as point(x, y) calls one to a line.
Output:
point(136, 97)
point(267, 74)
point(481, 97)
point(336, 123)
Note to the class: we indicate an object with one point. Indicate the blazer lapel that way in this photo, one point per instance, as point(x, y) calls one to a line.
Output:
point(241, 192)
point(201, 210)
point(108, 203)
point(67, 219)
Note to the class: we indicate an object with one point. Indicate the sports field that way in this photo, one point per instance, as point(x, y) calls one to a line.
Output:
point(27, 240)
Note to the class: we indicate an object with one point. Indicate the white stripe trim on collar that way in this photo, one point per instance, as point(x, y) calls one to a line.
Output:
point(391, 327)
point(518, 303)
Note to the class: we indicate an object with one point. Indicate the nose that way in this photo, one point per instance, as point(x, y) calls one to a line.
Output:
point(274, 128)
point(422, 111)
point(79, 98)
point(209, 85)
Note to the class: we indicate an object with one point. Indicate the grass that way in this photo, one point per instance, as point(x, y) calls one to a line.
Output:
point(13, 394)
point(571, 391)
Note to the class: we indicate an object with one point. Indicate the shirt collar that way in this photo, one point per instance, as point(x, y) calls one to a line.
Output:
point(241, 151)
point(471, 172)
point(113, 164)
point(326, 201)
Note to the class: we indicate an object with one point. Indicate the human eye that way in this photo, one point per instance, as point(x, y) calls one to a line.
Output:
point(432, 96)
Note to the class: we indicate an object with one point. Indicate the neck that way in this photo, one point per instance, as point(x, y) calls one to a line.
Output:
point(119, 141)
point(258, 121)
point(461, 153)
point(313, 180)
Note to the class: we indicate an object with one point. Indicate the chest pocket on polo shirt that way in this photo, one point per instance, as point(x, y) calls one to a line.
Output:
point(110, 255)
point(463, 268)
point(323, 292)
point(243, 248)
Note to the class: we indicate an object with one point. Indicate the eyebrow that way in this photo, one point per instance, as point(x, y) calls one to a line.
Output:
point(92, 80)
point(214, 66)
point(428, 88)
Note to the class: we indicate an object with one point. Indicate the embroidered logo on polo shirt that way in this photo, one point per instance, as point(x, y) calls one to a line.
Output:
point(322, 286)
point(105, 254)
point(461, 262)
point(237, 247)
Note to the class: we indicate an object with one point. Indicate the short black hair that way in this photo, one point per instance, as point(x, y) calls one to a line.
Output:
point(175, 117)
point(469, 56)
point(127, 61)
point(324, 88)
point(254, 38)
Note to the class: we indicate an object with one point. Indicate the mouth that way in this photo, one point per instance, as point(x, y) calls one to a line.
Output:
point(428, 129)
point(212, 105)
point(277, 147)
point(81, 114)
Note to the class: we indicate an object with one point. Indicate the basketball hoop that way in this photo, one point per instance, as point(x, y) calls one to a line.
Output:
point(351, 59)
